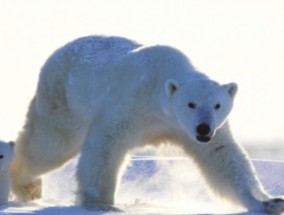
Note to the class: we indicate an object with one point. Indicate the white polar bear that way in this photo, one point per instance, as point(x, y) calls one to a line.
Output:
point(6, 157)
point(110, 95)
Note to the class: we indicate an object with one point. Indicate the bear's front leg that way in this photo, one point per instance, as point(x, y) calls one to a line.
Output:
point(230, 173)
point(101, 158)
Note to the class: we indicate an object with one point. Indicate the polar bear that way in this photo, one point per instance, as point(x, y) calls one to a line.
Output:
point(6, 157)
point(104, 96)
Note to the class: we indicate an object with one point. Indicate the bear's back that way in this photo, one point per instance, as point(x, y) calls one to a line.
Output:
point(95, 50)
point(74, 65)
point(92, 52)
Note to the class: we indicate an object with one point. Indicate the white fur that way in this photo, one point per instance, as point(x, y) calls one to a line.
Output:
point(110, 95)
point(6, 157)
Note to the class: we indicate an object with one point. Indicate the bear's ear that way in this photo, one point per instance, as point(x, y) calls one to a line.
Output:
point(231, 88)
point(171, 87)
point(12, 144)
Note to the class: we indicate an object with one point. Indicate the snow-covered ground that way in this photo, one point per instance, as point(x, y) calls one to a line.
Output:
point(150, 185)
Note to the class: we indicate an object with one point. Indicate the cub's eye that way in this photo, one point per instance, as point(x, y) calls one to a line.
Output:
point(1, 156)
point(217, 106)
point(191, 105)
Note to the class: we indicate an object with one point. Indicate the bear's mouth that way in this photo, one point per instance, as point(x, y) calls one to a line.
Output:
point(204, 139)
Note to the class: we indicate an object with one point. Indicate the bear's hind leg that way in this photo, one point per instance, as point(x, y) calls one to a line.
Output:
point(39, 151)
point(29, 191)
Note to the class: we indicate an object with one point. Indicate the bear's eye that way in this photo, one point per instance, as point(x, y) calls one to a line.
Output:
point(217, 106)
point(192, 105)
point(1, 156)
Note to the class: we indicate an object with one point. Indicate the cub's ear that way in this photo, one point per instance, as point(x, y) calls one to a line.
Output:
point(171, 87)
point(231, 88)
point(12, 144)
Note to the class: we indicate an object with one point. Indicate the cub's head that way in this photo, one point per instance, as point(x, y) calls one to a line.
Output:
point(6, 154)
point(200, 106)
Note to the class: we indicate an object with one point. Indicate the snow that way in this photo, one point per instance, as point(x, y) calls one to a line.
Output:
point(163, 181)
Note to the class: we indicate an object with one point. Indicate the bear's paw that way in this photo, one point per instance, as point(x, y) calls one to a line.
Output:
point(274, 206)
point(102, 207)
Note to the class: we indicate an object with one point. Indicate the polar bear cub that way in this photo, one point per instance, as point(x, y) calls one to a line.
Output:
point(6, 157)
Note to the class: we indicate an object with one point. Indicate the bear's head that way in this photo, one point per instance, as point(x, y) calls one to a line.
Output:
point(200, 106)
point(6, 155)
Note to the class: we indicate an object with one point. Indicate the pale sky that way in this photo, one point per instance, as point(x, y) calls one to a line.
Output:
point(236, 40)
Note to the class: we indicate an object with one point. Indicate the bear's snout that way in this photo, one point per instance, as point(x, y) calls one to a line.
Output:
point(203, 132)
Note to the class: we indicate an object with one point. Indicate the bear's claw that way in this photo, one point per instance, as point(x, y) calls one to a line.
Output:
point(274, 206)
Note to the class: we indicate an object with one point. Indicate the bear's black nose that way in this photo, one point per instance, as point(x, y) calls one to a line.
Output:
point(203, 129)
